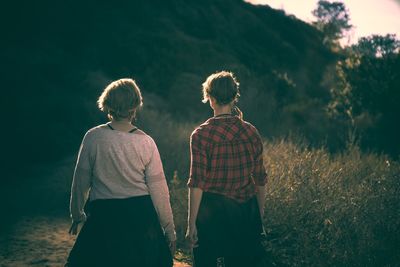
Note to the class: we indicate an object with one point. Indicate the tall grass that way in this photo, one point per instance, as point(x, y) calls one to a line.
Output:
point(323, 209)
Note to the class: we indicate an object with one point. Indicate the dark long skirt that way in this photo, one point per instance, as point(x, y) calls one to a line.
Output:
point(229, 232)
point(121, 232)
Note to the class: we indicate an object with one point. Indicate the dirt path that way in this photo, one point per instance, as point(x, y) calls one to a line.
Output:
point(35, 240)
point(39, 241)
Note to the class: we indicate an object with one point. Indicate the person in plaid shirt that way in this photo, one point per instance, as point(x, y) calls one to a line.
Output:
point(227, 182)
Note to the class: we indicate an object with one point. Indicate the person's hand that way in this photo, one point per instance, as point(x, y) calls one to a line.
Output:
point(191, 236)
point(172, 247)
point(73, 230)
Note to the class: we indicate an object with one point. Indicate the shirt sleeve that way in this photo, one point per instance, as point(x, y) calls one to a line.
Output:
point(159, 193)
point(260, 174)
point(198, 162)
point(81, 181)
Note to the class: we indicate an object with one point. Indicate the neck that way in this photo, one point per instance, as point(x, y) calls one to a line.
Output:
point(122, 125)
point(220, 110)
point(123, 121)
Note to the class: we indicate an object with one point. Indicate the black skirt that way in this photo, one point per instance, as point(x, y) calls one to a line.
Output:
point(229, 232)
point(121, 232)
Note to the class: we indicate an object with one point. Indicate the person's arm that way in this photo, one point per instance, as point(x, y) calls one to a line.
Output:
point(160, 196)
point(260, 174)
point(80, 186)
point(159, 193)
point(198, 173)
point(261, 199)
point(195, 195)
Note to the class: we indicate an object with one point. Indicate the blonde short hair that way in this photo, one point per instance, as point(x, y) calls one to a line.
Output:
point(222, 86)
point(120, 99)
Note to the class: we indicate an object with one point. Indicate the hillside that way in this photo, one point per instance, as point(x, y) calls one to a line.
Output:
point(60, 55)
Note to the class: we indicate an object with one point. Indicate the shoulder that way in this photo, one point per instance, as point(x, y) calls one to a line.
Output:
point(202, 130)
point(97, 129)
point(145, 139)
point(249, 126)
point(251, 130)
point(94, 132)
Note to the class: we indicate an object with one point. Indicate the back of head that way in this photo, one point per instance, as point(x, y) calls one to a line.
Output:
point(120, 99)
point(222, 86)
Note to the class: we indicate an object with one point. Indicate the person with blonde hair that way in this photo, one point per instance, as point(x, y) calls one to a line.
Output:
point(227, 182)
point(129, 220)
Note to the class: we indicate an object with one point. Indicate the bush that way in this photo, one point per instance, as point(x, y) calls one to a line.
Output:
point(329, 210)
point(323, 209)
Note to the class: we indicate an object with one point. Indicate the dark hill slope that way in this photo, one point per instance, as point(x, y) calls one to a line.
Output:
point(59, 55)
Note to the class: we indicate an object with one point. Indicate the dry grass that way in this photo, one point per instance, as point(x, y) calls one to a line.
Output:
point(322, 209)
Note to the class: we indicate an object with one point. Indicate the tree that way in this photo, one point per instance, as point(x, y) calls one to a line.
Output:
point(375, 79)
point(378, 46)
point(333, 20)
point(367, 91)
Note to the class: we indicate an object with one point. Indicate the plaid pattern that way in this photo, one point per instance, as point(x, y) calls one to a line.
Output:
point(227, 158)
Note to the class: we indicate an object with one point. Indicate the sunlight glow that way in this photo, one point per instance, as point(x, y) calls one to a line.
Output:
point(367, 16)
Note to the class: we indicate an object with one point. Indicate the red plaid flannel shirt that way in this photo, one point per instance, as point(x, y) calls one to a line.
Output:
point(227, 158)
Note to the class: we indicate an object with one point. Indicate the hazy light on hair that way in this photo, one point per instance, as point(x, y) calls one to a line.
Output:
point(120, 99)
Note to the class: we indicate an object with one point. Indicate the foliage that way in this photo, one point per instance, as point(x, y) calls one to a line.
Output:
point(366, 91)
point(340, 105)
point(378, 46)
point(179, 203)
point(333, 20)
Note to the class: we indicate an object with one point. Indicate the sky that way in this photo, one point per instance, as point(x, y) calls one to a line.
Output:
point(367, 16)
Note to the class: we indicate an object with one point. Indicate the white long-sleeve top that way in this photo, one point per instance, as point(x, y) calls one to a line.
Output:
point(113, 164)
